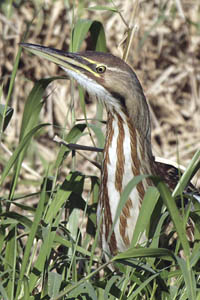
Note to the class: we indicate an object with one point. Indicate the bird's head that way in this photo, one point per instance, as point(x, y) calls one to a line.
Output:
point(105, 77)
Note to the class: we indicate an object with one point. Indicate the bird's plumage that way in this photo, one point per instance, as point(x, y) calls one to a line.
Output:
point(127, 151)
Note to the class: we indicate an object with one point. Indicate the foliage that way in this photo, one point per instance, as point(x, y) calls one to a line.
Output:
point(44, 252)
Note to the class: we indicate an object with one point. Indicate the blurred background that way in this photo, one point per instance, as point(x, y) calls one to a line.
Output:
point(49, 194)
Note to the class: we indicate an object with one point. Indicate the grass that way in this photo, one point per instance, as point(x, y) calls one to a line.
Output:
point(49, 245)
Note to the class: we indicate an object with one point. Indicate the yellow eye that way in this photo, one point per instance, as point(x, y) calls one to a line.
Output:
point(100, 69)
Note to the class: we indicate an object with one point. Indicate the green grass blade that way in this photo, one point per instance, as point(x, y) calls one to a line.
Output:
point(70, 184)
point(54, 283)
point(11, 85)
point(103, 8)
point(189, 278)
point(33, 106)
point(19, 149)
point(62, 241)
point(72, 137)
point(3, 292)
point(98, 37)
point(79, 33)
point(10, 258)
point(195, 255)
point(75, 133)
point(31, 237)
point(26, 294)
point(156, 236)
point(99, 135)
point(5, 116)
point(174, 213)
point(150, 199)
point(30, 119)
point(86, 288)
point(109, 285)
point(73, 286)
point(144, 252)
point(124, 197)
point(10, 216)
point(198, 296)
point(142, 286)
point(189, 172)
point(48, 237)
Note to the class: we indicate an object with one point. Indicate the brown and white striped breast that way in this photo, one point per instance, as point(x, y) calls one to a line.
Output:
point(121, 163)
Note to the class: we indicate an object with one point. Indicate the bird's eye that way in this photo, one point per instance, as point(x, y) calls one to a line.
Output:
point(100, 69)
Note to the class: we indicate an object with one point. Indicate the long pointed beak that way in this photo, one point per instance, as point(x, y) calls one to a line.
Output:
point(67, 60)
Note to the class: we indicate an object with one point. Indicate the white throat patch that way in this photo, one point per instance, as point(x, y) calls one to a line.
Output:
point(94, 89)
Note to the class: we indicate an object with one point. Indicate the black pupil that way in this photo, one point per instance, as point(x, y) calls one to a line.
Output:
point(100, 69)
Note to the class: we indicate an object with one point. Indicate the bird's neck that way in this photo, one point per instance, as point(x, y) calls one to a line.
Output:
point(127, 149)
point(127, 153)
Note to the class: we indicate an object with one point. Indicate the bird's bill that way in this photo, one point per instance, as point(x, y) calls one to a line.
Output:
point(66, 60)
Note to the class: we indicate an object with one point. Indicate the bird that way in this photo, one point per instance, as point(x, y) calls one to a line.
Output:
point(127, 152)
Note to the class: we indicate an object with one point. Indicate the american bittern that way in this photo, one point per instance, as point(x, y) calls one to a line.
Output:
point(127, 152)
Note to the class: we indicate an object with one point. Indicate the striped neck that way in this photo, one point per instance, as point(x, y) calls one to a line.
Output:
point(126, 154)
